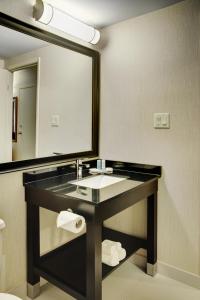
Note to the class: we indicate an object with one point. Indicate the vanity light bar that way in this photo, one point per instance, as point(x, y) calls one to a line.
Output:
point(47, 14)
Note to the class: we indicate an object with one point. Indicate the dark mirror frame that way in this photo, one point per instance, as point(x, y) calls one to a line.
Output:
point(36, 32)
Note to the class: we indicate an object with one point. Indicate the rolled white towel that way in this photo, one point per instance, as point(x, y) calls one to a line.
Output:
point(112, 243)
point(121, 254)
point(110, 260)
point(109, 249)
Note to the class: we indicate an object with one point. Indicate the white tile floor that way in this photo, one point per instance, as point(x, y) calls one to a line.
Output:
point(130, 283)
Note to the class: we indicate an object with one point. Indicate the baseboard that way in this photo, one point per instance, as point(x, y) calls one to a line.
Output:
point(188, 278)
point(170, 271)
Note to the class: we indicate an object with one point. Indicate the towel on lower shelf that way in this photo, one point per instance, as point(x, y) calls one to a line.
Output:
point(109, 249)
point(112, 253)
point(112, 243)
point(121, 254)
point(110, 260)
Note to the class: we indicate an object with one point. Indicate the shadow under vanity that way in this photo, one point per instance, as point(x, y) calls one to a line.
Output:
point(76, 267)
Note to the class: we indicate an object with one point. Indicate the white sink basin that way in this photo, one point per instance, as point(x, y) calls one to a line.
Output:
point(98, 182)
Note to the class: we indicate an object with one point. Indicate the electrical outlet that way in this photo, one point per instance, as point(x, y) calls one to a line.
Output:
point(162, 120)
point(55, 121)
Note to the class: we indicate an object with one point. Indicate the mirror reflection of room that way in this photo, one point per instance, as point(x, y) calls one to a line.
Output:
point(45, 98)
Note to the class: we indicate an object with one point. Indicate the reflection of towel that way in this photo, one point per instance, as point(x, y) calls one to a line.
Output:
point(110, 260)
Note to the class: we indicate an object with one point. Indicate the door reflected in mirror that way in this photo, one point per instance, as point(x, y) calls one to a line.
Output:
point(25, 91)
point(45, 97)
point(14, 119)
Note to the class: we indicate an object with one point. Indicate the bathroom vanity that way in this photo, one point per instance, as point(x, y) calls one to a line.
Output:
point(76, 267)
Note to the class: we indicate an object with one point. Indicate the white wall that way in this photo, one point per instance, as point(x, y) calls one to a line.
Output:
point(65, 89)
point(151, 64)
point(5, 115)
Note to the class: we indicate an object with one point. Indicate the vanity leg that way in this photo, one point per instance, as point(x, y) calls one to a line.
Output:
point(152, 235)
point(94, 264)
point(33, 250)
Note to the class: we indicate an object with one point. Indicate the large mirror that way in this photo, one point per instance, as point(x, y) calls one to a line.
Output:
point(48, 96)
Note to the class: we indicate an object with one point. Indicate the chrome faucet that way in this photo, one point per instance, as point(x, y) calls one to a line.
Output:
point(79, 168)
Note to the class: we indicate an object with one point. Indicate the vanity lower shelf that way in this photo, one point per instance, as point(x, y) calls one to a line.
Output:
point(65, 266)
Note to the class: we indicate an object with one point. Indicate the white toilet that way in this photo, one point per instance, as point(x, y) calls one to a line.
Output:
point(8, 297)
point(4, 296)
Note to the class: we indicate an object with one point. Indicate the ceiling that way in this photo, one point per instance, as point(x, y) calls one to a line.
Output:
point(14, 43)
point(102, 13)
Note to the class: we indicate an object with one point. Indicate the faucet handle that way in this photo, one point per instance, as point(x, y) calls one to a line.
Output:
point(82, 164)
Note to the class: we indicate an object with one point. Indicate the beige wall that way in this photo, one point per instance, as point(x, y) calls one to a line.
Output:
point(151, 64)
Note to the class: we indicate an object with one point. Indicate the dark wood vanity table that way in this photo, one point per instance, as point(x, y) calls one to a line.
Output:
point(76, 267)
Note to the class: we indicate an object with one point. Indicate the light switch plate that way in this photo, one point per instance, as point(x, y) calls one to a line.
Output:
point(55, 121)
point(162, 120)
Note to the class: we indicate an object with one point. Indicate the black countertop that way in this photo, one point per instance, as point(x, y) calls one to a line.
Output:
point(60, 183)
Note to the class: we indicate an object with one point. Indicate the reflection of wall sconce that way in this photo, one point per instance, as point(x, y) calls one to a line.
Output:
point(49, 15)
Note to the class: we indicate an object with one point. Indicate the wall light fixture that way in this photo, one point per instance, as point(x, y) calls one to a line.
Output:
point(49, 15)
